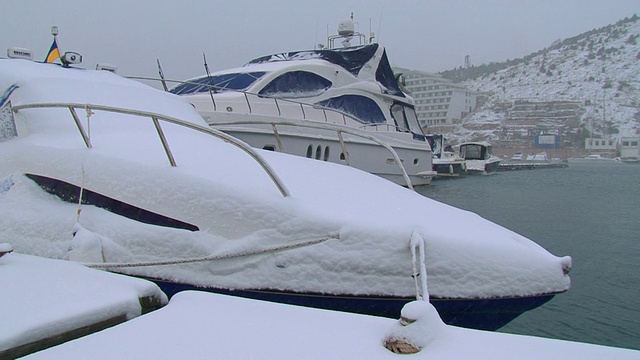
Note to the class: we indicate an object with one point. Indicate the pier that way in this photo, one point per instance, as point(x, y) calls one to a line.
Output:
point(510, 165)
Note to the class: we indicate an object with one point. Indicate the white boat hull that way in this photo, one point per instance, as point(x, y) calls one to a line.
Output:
point(325, 146)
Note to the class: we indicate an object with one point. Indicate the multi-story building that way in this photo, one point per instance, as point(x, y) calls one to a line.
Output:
point(440, 103)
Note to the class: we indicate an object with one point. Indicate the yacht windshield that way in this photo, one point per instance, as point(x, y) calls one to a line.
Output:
point(235, 81)
point(406, 120)
point(360, 107)
point(473, 152)
point(296, 84)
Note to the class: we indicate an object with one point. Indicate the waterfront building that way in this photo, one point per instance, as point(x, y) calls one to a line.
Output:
point(629, 149)
point(440, 103)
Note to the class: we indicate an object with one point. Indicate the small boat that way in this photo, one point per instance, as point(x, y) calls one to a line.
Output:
point(117, 175)
point(479, 158)
point(340, 105)
point(446, 162)
point(533, 161)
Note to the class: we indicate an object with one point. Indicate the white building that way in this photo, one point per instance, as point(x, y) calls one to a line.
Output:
point(630, 149)
point(439, 102)
point(601, 145)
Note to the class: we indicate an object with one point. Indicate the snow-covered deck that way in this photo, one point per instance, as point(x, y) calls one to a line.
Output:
point(45, 302)
point(42, 298)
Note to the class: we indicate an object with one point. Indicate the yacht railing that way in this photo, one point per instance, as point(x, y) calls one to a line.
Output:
point(306, 111)
point(339, 129)
point(156, 119)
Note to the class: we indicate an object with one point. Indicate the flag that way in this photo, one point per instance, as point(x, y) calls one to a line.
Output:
point(54, 53)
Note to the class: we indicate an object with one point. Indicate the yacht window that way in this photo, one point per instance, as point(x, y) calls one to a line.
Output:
point(236, 81)
point(412, 119)
point(407, 120)
point(361, 107)
point(472, 152)
point(296, 84)
point(398, 115)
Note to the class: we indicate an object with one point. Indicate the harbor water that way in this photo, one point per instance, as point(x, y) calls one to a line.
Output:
point(590, 212)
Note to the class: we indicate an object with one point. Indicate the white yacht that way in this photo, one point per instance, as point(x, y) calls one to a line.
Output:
point(479, 158)
point(120, 176)
point(340, 105)
point(446, 162)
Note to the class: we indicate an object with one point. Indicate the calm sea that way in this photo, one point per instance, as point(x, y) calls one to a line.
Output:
point(589, 212)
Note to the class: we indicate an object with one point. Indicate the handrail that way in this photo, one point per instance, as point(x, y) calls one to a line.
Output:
point(155, 117)
point(212, 89)
point(339, 129)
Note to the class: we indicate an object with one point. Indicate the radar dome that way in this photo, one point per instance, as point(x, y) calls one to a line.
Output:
point(345, 28)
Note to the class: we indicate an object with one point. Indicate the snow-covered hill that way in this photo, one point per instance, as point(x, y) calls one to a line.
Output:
point(595, 74)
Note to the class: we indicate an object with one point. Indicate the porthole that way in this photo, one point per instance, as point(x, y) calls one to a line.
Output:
point(269, 148)
point(415, 161)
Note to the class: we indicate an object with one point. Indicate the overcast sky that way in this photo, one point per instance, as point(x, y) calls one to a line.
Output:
point(430, 35)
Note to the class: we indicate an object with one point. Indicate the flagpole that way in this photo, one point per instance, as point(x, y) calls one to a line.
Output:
point(54, 50)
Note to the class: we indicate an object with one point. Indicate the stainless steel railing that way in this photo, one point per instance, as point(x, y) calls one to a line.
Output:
point(305, 114)
point(331, 127)
point(157, 119)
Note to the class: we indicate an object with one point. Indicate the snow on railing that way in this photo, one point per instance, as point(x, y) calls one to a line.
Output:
point(156, 118)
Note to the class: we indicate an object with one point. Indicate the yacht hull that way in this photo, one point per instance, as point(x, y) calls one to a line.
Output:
point(484, 314)
point(362, 154)
point(449, 169)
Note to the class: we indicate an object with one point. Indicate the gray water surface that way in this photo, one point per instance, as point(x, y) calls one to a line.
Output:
point(589, 212)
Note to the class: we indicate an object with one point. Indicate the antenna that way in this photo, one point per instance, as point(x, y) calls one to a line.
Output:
point(161, 73)
point(206, 67)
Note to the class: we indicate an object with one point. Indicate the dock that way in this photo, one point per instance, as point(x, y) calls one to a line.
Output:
point(508, 165)
point(46, 302)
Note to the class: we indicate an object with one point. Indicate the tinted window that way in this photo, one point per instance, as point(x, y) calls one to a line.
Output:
point(240, 81)
point(360, 107)
point(296, 84)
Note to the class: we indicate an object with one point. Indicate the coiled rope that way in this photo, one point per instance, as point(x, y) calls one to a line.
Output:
point(214, 257)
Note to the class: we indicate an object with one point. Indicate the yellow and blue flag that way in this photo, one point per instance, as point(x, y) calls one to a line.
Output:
point(54, 53)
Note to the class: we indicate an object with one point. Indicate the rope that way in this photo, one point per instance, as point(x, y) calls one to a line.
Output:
point(212, 257)
point(88, 113)
point(419, 268)
point(401, 346)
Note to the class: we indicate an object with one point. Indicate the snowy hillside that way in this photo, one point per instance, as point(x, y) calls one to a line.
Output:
point(586, 83)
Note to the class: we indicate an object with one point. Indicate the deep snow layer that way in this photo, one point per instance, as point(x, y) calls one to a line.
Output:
point(237, 208)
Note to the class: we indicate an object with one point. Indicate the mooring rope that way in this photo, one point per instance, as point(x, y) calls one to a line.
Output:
point(419, 268)
point(213, 257)
point(88, 113)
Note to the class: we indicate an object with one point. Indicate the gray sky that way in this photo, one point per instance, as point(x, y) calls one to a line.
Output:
point(429, 35)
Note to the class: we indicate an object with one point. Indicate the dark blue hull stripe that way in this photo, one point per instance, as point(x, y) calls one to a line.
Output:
point(483, 314)
point(69, 193)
